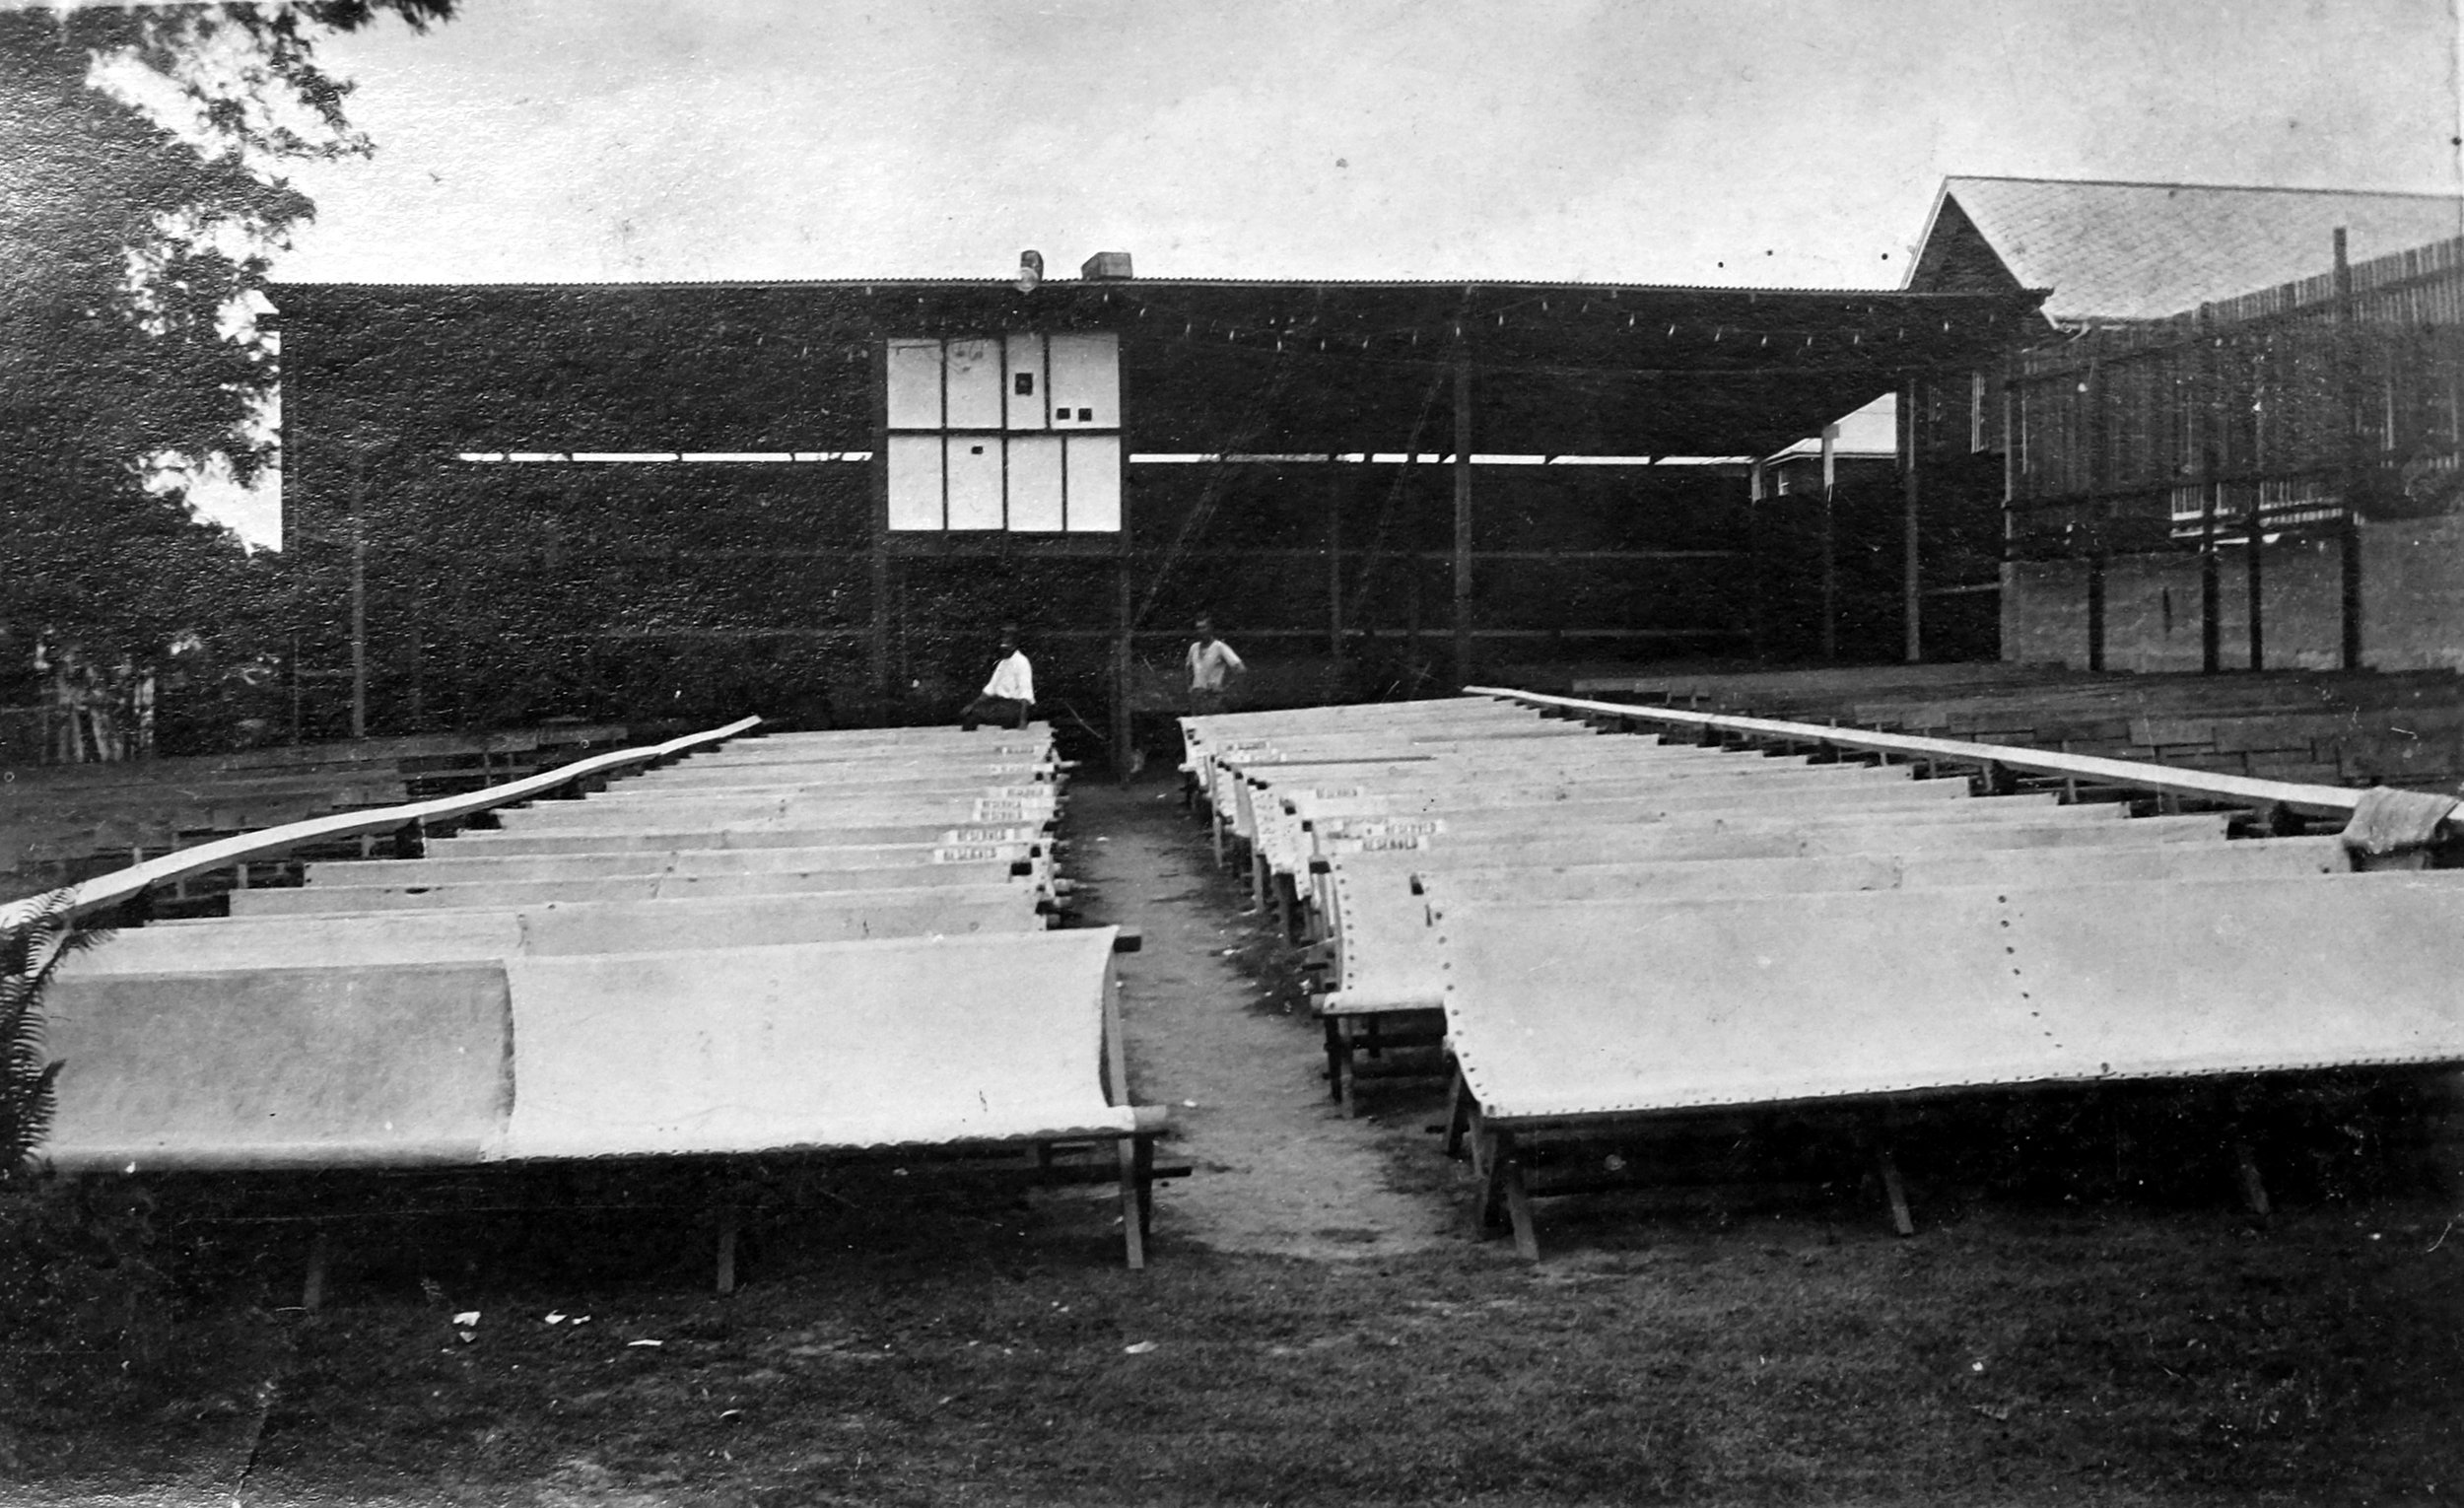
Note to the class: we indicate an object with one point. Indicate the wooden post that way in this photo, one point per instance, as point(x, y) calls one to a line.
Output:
point(2257, 578)
point(2207, 407)
point(320, 1263)
point(1335, 565)
point(359, 606)
point(1830, 544)
point(1462, 516)
point(1755, 487)
point(879, 645)
point(1122, 613)
point(1912, 582)
point(1125, 613)
point(2100, 476)
point(731, 1220)
point(883, 695)
point(2348, 332)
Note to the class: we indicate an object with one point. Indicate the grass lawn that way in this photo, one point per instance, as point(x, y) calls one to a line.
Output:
point(900, 1345)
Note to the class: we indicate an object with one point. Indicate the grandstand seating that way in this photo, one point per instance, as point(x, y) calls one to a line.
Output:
point(2401, 728)
point(61, 823)
point(676, 992)
point(1595, 928)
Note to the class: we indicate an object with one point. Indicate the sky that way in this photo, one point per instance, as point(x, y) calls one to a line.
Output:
point(1651, 141)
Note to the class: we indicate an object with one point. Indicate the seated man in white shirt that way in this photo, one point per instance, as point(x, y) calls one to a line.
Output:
point(1212, 664)
point(1010, 692)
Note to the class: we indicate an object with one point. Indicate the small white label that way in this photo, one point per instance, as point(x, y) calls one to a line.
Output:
point(966, 853)
point(996, 811)
point(1386, 843)
point(988, 835)
point(1018, 792)
point(1390, 827)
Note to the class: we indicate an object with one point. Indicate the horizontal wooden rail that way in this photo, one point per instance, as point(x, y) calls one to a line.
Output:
point(2168, 779)
point(123, 885)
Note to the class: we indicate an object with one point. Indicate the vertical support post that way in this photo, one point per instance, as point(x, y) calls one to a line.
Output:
point(320, 1264)
point(879, 645)
point(358, 616)
point(1335, 566)
point(885, 696)
point(2257, 568)
point(1124, 610)
point(2014, 443)
point(1122, 613)
point(2348, 531)
point(731, 1225)
point(1462, 515)
point(2099, 477)
point(1830, 543)
point(1912, 581)
point(1755, 485)
point(2207, 410)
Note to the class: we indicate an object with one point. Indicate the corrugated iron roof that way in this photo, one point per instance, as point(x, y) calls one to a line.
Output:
point(2121, 250)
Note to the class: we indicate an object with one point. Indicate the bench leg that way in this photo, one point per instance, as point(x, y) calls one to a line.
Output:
point(1459, 1109)
point(1518, 1202)
point(1133, 1194)
point(1146, 1189)
point(1487, 1166)
point(1338, 1058)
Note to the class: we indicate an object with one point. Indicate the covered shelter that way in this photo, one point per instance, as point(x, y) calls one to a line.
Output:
point(586, 500)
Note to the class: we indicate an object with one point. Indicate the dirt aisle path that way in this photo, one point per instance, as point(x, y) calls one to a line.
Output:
point(1278, 1166)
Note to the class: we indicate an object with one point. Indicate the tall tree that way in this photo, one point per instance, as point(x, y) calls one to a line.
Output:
point(143, 155)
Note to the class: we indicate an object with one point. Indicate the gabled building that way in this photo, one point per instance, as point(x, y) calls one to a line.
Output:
point(2233, 441)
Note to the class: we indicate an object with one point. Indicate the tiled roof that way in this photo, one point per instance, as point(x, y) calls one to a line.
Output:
point(2147, 251)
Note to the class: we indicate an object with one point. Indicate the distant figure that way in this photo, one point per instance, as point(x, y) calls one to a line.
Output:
point(1212, 664)
point(1010, 692)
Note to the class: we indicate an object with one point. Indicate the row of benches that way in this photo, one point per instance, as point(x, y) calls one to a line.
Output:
point(61, 823)
point(804, 944)
point(2396, 728)
point(1611, 935)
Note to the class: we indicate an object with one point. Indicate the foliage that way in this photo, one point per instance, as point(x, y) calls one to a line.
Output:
point(29, 954)
point(141, 153)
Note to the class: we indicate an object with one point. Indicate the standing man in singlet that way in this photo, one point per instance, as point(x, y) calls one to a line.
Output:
point(1212, 664)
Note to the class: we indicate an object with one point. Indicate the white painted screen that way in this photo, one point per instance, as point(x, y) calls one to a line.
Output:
point(1025, 390)
point(1094, 467)
point(915, 481)
point(1086, 382)
point(916, 386)
point(975, 481)
point(1035, 481)
point(971, 384)
point(977, 453)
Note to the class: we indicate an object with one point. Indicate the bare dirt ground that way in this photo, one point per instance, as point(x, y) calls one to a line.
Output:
point(1218, 1031)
